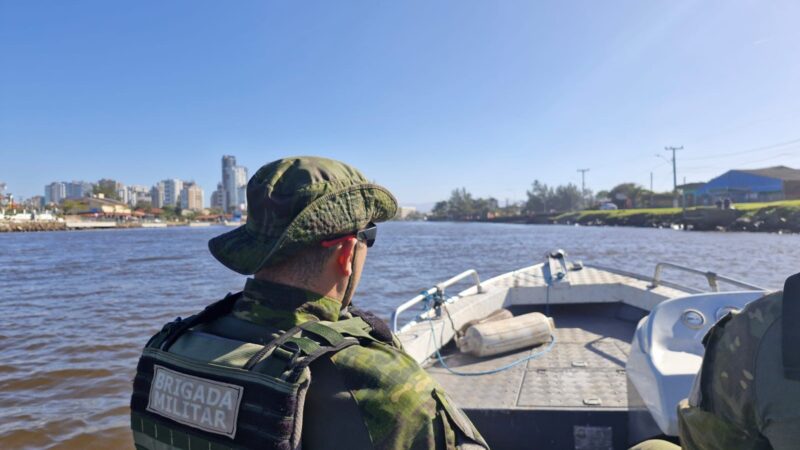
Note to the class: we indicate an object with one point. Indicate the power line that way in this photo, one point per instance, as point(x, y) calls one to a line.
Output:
point(743, 152)
point(699, 168)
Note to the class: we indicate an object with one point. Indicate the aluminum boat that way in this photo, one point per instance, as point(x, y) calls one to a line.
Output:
point(625, 350)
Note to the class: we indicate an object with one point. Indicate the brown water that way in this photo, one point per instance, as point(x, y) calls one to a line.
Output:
point(76, 307)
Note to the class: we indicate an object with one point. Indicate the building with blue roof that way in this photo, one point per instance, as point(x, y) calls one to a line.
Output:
point(756, 185)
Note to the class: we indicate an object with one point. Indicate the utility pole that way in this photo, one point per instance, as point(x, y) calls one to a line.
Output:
point(651, 189)
point(674, 175)
point(683, 194)
point(583, 185)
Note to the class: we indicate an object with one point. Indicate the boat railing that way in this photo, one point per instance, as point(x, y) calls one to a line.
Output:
point(438, 289)
point(712, 277)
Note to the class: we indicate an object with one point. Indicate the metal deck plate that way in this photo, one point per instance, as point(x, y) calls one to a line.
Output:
point(585, 369)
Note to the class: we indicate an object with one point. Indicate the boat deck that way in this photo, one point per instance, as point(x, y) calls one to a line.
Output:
point(584, 370)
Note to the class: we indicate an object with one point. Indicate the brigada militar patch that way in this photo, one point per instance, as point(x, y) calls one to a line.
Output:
point(197, 402)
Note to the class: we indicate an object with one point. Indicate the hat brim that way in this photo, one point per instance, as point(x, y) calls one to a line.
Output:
point(246, 253)
point(241, 252)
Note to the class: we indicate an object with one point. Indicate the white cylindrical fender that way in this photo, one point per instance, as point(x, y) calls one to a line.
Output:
point(491, 338)
point(499, 314)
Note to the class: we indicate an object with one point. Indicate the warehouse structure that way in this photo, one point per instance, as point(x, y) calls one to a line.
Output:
point(756, 185)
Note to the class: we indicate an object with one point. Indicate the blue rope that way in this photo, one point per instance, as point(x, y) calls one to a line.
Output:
point(493, 371)
point(428, 300)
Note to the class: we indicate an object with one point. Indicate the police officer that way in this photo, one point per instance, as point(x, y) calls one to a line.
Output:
point(310, 222)
point(747, 394)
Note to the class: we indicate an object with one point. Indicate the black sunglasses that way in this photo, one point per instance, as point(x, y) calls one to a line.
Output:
point(368, 234)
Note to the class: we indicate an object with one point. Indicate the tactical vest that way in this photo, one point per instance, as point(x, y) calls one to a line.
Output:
point(198, 390)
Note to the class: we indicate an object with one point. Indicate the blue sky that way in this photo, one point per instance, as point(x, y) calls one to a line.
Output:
point(422, 96)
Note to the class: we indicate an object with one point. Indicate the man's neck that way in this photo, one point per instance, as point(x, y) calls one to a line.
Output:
point(333, 292)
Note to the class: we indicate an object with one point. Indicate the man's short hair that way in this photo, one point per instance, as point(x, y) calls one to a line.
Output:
point(307, 264)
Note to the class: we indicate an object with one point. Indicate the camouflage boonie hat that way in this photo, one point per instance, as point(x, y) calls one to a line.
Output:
point(295, 202)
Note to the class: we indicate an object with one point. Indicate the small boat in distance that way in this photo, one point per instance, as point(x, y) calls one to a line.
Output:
point(235, 220)
point(624, 351)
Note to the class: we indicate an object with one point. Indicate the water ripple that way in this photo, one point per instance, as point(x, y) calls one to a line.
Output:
point(78, 307)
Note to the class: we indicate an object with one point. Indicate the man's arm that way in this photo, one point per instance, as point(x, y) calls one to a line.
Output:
point(722, 411)
point(400, 405)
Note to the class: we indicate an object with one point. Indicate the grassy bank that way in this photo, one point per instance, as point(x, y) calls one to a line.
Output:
point(772, 217)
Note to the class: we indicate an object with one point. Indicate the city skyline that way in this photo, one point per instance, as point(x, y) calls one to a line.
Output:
point(168, 192)
point(230, 195)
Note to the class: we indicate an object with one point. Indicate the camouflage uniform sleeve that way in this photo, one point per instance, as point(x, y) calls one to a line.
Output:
point(778, 407)
point(722, 411)
point(401, 405)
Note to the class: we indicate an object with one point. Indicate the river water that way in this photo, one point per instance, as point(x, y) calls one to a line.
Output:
point(76, 307)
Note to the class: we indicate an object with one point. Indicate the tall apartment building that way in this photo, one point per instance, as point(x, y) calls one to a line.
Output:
point(157, 195)
point(191, 196)
point(122, 193)
point(172, 192)
point(216, 197)
point(55, 192)
point(78, 189)
point(234, 179)
point(135, 194)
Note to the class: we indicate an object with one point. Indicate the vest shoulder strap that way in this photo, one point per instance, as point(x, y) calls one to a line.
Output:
point(355, 327)
point(295, 349)
point(173, 330)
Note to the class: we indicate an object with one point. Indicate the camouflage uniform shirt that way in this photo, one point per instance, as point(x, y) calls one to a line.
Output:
point(365, 396)
point(741, 399)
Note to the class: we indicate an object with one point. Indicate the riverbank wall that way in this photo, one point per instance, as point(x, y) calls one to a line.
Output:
point(10, 226)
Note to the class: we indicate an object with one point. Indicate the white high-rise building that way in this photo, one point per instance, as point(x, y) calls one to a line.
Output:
point(135, 194)
point(172, 192)
point(55, 192)
point(234, 179)
point(240, 176)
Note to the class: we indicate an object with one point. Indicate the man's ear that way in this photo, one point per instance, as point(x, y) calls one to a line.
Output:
point(344, 256)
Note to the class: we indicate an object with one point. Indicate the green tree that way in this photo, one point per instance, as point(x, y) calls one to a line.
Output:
point(72, 206)
point(169, 213)
point(107, 187)
point(462, 206)
point(566, 198)
point(145, 206)
point(441, 209)
point(628, 195)
point(538, 198)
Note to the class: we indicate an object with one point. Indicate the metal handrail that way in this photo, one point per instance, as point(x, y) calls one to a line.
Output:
point(712, 277)
point(439, 288)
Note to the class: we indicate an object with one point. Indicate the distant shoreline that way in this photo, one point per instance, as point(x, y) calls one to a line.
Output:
point(774, 217)
point(35, 227)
